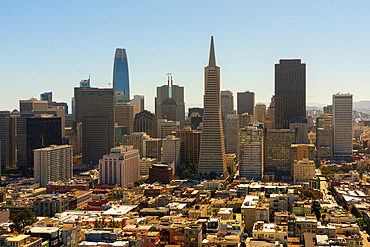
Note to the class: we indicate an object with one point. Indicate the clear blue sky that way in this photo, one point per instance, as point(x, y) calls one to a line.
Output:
point(52, 45)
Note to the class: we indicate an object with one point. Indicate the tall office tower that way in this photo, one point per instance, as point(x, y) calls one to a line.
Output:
point(212, 161)
point(120, 73)
point(232, 134)
point(169, 103)
point(28, 107)
point(328, 109)
point(196, 109)
point(171, 152)
point(251, 153)
point(165, 127)
point(7, 140)
point(124, 116)
point(152, 148)
point(342, 125)
point(246, 102)
point(95, 110)
point(324, 136)
point(54, 163)
point(301, 130)
point(290, 92)
point(270, 115)
point(136, 139)
point(145, 121)
point(260, 112)
point(121, 166)
point(35, 132)
point(277, 162)
point(145, 164)
point(189, 145)
point(227, 103)
point(138, 104)
point(245, 120)
point(303, 162)
point(48, 96)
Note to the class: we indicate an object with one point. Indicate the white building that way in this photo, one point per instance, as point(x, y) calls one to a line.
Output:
point(138, 103)
point(251, 153)
point(171, 152)
point(121, 166)
point(53, 163)
point(342, 124)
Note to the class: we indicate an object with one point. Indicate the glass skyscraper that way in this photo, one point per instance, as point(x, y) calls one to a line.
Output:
point(120, 73)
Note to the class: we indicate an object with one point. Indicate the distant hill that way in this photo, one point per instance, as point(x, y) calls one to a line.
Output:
point(362, 105)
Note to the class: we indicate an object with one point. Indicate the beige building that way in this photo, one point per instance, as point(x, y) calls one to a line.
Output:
point(304, 170)
point(171, 152)
point(152, 148)
point(53, 163)
point(121, 166)
point(165, 127)
point(136, 139)
point(260, 112)
point(145, 164)
point(232, 134)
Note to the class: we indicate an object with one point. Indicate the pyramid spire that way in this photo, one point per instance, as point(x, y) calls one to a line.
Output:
point(212, 57)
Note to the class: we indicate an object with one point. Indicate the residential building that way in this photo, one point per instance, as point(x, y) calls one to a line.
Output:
point(53, 163)
point(145, 164)
point(48, 205)
point(251, 153)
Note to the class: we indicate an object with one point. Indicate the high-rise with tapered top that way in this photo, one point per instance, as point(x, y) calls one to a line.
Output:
point(121, 80)
point(212, 161)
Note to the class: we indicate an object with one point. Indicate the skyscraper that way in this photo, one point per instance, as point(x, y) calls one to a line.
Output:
point(169, 103)
point(48, 96)
point(120, 73)
point(7, 140)
point(245, 103)
point(212, 148)
point(95, 110)
point(232, 134)
point(171, 152)
point(260, 112)
point(145, 121)
point(138, 104)
point(342, 124)
point(227, 103)
point(290, 92)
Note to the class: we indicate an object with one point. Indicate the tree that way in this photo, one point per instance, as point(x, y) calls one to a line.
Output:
point(316, 208)
point(21, 220)
point(354, 210)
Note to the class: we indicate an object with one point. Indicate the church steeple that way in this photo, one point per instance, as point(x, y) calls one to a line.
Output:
point(212, 57)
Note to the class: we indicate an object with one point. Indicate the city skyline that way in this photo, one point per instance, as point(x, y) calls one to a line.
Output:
point(248, 51)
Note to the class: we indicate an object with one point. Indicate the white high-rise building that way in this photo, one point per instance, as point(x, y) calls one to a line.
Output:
point(251, 153)
point(342, 124)
point(171, 152)
point(138, 103)
point(53, 163)
point(165, 127)
point(121, 166)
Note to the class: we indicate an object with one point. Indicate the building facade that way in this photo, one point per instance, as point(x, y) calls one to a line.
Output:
point(145, 121)
point(54, 163)
point(95, 109)
point(290, 92)
point(121, 166)
point(121, 80)
point(231, 131)
point(227, 103)
point(189, 145)
point(251, 153)
point(246, 102)
point(343, 124)
point(171, 152)
point(212, 149)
